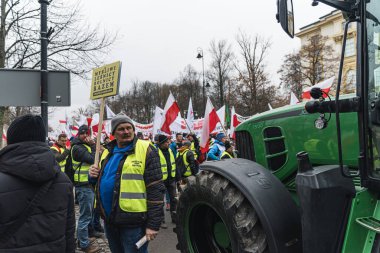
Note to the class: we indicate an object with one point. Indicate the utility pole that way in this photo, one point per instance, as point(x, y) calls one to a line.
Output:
point(44, 71)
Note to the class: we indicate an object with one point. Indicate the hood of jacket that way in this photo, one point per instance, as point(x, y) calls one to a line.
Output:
point(30, 160)
point(76, 141)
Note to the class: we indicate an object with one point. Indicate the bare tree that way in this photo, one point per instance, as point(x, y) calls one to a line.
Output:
point(73, 45)
point(291, 74)
point(253, 87)
point(220, 68)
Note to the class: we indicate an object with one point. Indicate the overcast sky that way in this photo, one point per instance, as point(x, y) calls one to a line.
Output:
point(158, 38)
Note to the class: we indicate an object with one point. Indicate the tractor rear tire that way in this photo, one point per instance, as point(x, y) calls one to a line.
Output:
point(213, 216)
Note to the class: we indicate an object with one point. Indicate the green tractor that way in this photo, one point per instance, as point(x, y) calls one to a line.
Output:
point(308, 176)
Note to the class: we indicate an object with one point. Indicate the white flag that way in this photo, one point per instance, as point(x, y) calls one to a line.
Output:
point(293, 99)
point(270, 107)
point(158, 114)
point(190, 116)
point(110, 113)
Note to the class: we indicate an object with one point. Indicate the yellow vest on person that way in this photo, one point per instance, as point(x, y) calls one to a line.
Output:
point(81, 169)
point(226, 153)
point(62, 163)
point(132, 195)
point(192, 148)
point(164, 166)
point(185, 162)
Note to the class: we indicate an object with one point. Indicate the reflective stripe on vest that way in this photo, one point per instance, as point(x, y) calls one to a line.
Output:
point(132, 196)
point(192, 148)
point(164, 166)
point(226, 153)
point(81, 170)
point(62, 163)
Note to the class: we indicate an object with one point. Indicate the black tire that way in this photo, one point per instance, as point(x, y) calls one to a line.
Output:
point(213, 216)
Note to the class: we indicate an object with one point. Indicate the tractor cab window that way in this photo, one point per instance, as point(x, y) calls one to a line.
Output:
point(373, 42)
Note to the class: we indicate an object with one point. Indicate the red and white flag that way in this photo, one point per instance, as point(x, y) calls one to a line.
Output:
point(293, 99)
point(324, 85)
point(236, 119)
point(171, 111)
point(210, 121)
point(190, 116)
point(4, 136)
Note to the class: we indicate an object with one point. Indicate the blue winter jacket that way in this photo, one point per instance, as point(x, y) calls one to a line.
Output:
point(216, 150)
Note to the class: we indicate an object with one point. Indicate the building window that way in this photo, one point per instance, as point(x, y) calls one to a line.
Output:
point(350, 47)
point(351, 80)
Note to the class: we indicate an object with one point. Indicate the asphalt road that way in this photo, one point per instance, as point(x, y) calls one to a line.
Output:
point(166, 239)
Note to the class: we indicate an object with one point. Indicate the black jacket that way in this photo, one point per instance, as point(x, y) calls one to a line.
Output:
point(155, 190)
point(80, 152)
point(24, 167)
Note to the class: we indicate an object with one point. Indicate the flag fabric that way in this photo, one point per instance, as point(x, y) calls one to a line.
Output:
point(190, 116)
point(4, 136)
point(210, 121)
point(228, 115)
point(171, 111)
point(324, 85)
point(110, 113)
point(293, 99)
point(270, 107)
point(235, 121)
point(157, 119)
point(82, 120)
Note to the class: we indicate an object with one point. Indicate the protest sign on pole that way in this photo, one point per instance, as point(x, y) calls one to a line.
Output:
point(105, 83)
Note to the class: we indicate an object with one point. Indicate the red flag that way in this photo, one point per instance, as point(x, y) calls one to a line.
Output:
point(171, 111)
point(210, 121)
point(324, 85)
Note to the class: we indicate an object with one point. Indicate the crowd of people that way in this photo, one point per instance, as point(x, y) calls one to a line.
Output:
point(126, 188)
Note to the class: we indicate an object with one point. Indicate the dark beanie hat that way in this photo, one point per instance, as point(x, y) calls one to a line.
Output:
point(162, 138)
point(26, 128)
point(120, 119)
point(83, 129)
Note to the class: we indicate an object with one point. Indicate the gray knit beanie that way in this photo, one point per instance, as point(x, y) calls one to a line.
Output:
point(120, 119)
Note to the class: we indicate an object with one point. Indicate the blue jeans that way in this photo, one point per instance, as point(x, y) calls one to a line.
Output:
point(123, 240)
point(85, 196)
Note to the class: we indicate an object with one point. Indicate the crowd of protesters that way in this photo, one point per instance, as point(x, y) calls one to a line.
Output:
point(126, 188)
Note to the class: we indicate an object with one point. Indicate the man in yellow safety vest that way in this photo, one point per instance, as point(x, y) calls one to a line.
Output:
point(168, 167)
point(83, 155)
point(129, 188)
point(60, 151)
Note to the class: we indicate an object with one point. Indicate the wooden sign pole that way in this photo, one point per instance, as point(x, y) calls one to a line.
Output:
point(100, 128)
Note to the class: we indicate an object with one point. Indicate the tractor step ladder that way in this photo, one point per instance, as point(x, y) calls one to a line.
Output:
point(370, 223)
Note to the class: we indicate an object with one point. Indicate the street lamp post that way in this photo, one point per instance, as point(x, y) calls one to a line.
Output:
point(200, 56)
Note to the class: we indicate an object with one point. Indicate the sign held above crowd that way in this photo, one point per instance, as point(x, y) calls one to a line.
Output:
point(105, 83)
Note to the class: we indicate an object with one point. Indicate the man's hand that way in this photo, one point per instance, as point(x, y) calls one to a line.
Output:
point(150, 234)
point(94, 171)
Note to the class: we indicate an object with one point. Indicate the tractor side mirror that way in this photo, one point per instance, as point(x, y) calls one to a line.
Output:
point(285, 16)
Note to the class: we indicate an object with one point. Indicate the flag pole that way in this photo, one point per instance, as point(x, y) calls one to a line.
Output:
point(100, 124)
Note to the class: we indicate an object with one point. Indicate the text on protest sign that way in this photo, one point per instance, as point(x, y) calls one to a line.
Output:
point(105, 81)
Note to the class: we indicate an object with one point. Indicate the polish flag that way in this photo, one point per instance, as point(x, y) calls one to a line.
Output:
point(190, 116)
point(94, 123)
point(293, 99)
point(236, 119)
point(210, 121)
point(171, 111)
point(82, 120)
point(324, 85)
point(4, 136)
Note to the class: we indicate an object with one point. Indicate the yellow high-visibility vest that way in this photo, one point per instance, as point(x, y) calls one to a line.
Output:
point(81, 168)
point(186, 163)
point(132, 196)
point(61, 163)
point(226, 153)
point(164, 166)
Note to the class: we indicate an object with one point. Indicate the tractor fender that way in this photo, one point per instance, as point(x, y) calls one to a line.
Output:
point(278, 213)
